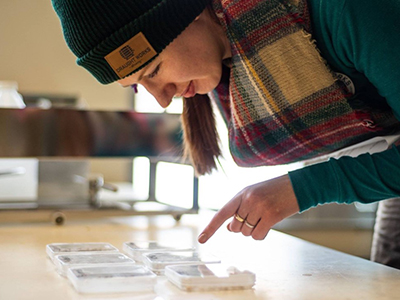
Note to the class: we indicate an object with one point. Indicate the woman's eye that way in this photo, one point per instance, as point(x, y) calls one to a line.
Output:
point(154, 73)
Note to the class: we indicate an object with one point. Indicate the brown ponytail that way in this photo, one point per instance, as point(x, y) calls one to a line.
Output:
point(201, 141)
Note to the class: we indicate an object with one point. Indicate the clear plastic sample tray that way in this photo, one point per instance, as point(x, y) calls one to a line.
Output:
point(157, 261)
point(65, 262)
point(209, 277)
point(137, 249)
point(78, 248)
point(118, 279)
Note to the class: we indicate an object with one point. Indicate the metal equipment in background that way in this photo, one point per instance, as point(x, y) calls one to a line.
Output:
point(61, 142)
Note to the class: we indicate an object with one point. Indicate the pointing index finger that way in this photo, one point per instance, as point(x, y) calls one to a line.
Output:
point(226, 212)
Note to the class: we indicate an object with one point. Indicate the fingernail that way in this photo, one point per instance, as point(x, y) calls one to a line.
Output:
point(202, 238)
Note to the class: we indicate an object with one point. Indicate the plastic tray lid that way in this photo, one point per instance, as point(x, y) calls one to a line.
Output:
point(112, 279)
point(69, 248)
point(157, 261)
point(209, 277)
point(65, 262)
point(137, 249)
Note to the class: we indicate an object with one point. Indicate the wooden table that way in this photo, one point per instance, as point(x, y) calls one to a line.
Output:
point(286, 267)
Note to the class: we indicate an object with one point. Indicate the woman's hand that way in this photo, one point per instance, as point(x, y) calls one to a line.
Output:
point(256, 209)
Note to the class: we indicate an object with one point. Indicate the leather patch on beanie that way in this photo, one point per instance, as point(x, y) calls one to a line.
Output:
point(131, 55)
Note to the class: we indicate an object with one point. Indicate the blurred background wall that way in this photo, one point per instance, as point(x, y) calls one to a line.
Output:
point(33, 53)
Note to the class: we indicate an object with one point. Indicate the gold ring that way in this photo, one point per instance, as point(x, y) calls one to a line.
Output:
point(239, 218)
point(249, 225)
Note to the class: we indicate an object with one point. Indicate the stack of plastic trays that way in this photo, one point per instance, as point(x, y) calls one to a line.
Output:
point(209, 277)
point(112, 279)
point(55, 249)
point(137, 249)
point(157, 261)
point(65, 262)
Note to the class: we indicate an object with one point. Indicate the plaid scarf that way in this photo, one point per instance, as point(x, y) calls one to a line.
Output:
point(280, 100)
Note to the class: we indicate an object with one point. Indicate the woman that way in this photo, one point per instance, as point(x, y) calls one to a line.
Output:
point(294, 80)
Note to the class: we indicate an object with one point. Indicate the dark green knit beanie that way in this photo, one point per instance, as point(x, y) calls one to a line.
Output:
point(116, 38)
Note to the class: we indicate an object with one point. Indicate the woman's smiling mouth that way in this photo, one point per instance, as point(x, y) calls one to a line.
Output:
point(189, 91)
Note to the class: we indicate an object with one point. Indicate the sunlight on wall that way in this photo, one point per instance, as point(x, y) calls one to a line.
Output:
point(174, 184)
point(140, 177)
point(145, 103)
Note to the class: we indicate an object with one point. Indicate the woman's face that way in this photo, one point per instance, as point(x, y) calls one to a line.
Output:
point(191, 64)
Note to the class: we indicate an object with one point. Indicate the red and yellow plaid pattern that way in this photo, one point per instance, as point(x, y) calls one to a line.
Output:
point(280, 100)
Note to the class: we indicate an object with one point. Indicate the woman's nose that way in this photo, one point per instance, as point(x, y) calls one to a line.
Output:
point(162, 93)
